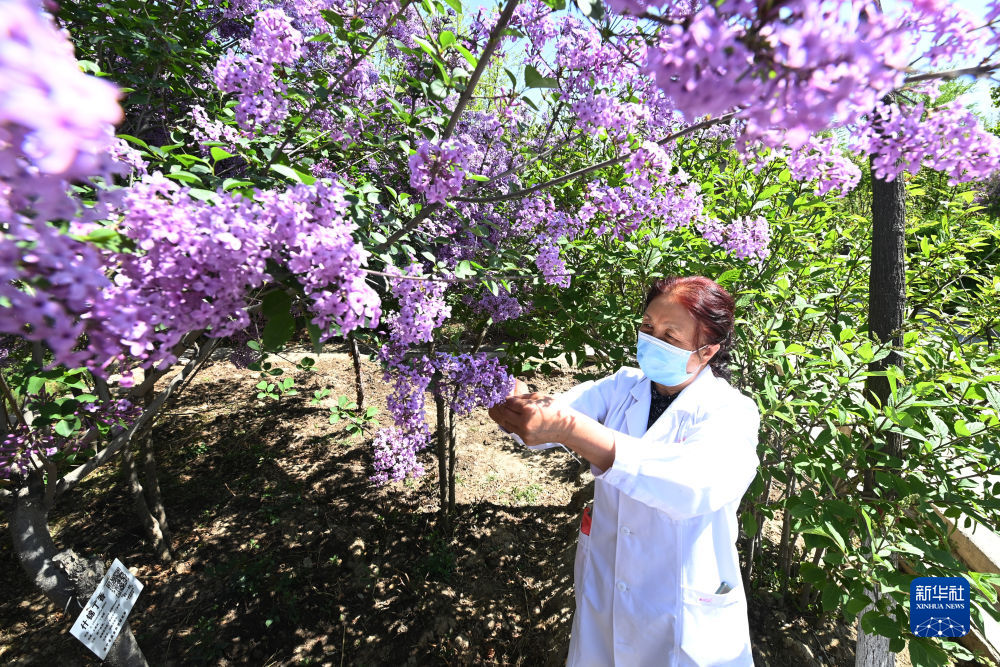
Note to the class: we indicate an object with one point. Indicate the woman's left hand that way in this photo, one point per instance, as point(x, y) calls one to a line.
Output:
point(536, 418)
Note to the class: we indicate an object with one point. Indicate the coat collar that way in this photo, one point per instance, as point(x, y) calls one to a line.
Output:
point(637, 414)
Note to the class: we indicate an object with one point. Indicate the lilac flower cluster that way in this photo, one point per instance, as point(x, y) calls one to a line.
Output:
point(466, 381)
point(499, 307)
point(947, 138)
point(199, 259)
point(193, 266)
point(594, 71)
point(744, 237)
point(817, 65)
point(821, 160)
point(993, 21)
point(422, 307)
point(251, 76)
point(123, 152)
point(309, 227)
point(208, 130)
point(654, 191)
point(438, 170)
point(58, 291)
point(395, 448)
point(54, 119)
point(949, 30)
point(470, 381)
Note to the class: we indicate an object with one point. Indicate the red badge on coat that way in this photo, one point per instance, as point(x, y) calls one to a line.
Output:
point(585, 522)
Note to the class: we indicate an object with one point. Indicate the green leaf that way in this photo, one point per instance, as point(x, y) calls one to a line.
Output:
point(219, 154)
point(64, 428)
point(293, 174)
point(532, 79)
point(446, 38)
point(438, 89)
point(455, 4)
point(100, 235)
point(924, 652)
point(314, 337)
point(231, 183)
point(469, 58)
point(280, 323)
point(184, 177)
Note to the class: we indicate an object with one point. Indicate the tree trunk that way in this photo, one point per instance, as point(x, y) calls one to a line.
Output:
point(67, 579)
point(886, 308)
point(451, 461)
point(442, 454)
point(139, 504)
point(352, 344)
point(151, 487)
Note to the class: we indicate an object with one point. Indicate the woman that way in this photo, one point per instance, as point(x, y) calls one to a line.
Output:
point(673, 448)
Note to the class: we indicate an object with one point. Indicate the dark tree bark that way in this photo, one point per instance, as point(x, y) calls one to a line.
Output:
point(442, 454)
point(886, 309)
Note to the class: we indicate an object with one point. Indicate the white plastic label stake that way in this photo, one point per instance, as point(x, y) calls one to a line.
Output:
point(103, 617)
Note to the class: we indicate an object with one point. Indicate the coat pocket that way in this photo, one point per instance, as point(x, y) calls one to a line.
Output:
point(714, 627)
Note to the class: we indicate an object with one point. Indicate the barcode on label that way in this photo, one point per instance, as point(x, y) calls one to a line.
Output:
point(117, 582)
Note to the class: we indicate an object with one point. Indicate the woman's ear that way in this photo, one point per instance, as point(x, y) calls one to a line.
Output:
point(709, 352)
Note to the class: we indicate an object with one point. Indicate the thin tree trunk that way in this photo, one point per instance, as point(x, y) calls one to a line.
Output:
point(149, 523)
point(886, 307)
point(151, 487)
point(442, 454)
point(67, 579)
point(451, 461)
point(352, 344)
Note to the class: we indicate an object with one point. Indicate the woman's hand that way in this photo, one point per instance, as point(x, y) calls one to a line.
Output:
point(536, 418)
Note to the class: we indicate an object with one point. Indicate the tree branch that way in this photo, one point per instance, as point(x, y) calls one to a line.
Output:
point(484, 60)
point(977, 71)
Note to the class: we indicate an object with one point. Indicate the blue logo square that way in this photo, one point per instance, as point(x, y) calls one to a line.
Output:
point(940, 607)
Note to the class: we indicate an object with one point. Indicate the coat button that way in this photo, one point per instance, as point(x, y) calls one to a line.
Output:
point(622, 587)
point(626, 531)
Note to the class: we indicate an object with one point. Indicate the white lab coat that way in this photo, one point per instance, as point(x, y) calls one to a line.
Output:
point(664, 527)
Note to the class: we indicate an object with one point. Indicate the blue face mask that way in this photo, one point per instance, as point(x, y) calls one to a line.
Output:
point(662, 362)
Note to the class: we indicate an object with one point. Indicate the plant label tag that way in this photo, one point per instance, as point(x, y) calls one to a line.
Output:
point(103, 617)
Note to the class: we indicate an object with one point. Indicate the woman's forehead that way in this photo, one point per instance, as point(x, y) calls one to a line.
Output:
point(668, 313)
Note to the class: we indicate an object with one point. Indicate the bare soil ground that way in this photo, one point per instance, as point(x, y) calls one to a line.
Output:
point(286, 553)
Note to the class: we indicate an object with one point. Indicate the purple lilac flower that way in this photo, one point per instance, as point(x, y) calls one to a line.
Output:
point(744, 237)
point(55, 120)
point(251, 75)
point(948, 138)
point(439, 170)
point(499, 307)
point(421, 307)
